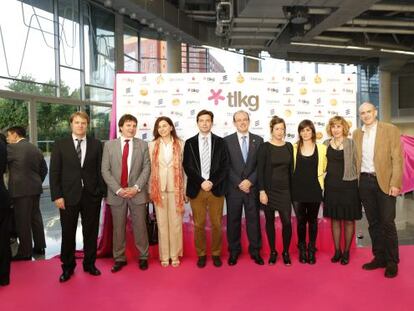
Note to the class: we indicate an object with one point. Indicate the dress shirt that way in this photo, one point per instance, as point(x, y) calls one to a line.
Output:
point(167, 151)
point(240, 138)
point(83, 146)
point(368, 146)
point(200, 149)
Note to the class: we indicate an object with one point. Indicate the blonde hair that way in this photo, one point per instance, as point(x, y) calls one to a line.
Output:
point(337, 120)
point(80, 114)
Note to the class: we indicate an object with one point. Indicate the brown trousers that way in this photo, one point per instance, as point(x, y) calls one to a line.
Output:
point(206, 202)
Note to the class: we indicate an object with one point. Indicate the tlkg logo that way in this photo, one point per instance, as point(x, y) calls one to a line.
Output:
point(236, 99)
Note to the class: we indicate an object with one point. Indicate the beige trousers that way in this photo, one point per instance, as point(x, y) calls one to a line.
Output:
point(170, 228)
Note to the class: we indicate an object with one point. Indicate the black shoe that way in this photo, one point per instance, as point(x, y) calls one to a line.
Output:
point(391, 270)
point(257, 259)
point(5, 282)
point(217, 261)
point(272, 258)
point(38, 251)
point(201, 262)
point(21, 258)
point(65, 276)
point(311, 254)
point(345, 258)
point(303, 257)
point(286, 259)
point(118, 265)
point(232, 261)
point(374, 264)
point(337, 256)
point(92, 270)
point(143, 264)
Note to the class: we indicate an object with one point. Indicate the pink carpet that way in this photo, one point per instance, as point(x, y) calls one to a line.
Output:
point(246, 286)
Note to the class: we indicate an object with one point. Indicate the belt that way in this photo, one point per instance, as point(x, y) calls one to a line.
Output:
point(372, 175)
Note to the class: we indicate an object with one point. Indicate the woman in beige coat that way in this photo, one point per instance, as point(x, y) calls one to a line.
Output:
point(167, 189)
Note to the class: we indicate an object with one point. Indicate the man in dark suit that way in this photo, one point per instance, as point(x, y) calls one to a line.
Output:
point(242, 191)
point(126, 169)
point(206, 165)
point(27, 170)
point(76, 186)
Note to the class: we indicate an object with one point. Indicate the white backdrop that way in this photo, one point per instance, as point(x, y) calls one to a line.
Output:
point(293, 97)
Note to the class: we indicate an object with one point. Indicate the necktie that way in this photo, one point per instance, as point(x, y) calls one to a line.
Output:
point(79, 150)
point(244, 148)
point(124, 169)
point(205, 157)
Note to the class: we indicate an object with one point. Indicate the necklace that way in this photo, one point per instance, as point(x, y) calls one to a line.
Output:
point(335, 145)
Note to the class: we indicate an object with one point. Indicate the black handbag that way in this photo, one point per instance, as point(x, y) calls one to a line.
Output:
point(152, 226)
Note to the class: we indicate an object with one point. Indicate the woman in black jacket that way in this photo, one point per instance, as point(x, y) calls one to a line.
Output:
point(274, 171)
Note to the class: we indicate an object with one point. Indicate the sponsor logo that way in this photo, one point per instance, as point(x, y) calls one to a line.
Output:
point(177, 113)
point(332, 112)
point(290, 135)
point(159, 79)
point(210, 79)
point(237, 99)
point(216, 96)
point(304, 101)
point(273, 90)
point(319, 123)
point(160, 91)
point(143, 92)
point(144, 102)
point(348, 91)
point(224, 78)
point(303, 113)
point(317, 79)
point(191, 90)
point(175, 102)
point(288, 79)
point(192, 102)
point(240, 78)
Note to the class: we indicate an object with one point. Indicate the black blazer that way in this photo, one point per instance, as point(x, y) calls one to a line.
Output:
point(66, 174)
point(239, 170)
point(218, 168)
point(4, 195)
point(264, 166)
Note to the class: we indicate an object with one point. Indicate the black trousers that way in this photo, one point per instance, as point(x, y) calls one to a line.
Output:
point(307, 214)
point(89, 208)
point(235, 206)
point(29, 224)
point(5, 251)
point(380, 211)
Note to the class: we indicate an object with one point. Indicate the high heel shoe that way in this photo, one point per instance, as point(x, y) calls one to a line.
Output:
point(345, 258)
point(272, 258)
point(337, 256)
point(303, 258)
point(165, 263)
point(311, 253)
point(286, 259)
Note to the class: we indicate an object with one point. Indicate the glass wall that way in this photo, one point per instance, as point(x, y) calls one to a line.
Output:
point(153, 55)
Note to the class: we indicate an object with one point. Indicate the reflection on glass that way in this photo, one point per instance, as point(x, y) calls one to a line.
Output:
point(99, 126)
point(98, 94)
point(13, 112)
point(153, 55)
point(69, 33)
point(130, 64)
point(70, 83)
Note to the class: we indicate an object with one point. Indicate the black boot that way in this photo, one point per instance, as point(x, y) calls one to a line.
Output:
point(311, 253)
point(303, 258)
point(345, 258)
point(337, 256)
point(273, 257)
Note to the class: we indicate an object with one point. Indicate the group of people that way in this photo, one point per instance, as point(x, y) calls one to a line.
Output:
point(240, 168)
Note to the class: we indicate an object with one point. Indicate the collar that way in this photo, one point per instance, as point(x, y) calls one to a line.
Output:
point(372, 127)
point(240, 135)
point(200, 135)
point(75, 138)
point(123, 139)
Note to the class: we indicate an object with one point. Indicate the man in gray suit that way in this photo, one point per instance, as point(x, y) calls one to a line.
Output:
point(242, 189)
point(126, 169)
point(27, 170)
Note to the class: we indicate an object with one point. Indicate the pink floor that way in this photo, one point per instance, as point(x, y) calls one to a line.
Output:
point(246, 286)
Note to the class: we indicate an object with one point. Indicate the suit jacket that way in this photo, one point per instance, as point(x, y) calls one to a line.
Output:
point(27, 169)
point(218, 168)
point(138, 174)
point(66, 174)
point(238, 169)
point(388, 160)
point(4, 195)
point(166, 170)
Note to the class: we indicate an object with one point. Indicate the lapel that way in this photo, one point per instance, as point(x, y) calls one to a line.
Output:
point(135, 152)
point(213, 144)
point(88, 149)
point(236, 146)
point(72, 150)
point(118, 151)
point(196, 152)
point(378, 138)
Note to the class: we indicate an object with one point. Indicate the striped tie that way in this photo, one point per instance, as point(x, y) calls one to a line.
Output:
point(205, 157)
point(79, 150)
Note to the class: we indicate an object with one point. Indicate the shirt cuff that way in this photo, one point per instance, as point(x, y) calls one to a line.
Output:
point(118, 191)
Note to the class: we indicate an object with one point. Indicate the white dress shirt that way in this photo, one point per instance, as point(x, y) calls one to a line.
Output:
point(368, 146)
point(167, 151)
point(205, 175)
point(240, 137)
point(83, 147)
point(131, 146)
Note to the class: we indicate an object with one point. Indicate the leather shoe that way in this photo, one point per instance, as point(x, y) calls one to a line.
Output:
point(4, 282)
point(257, 259)
point(374, 264)
point(92, 270)
point(118, 266)
point(38, 251)
point(391, 270)
point(345, 258)
point(21, 258)
point(286, 259)
point(65, 276)
point(201, 262)
point(272, 258)
point(232, 260)
point(217, 261)
point(143, 264)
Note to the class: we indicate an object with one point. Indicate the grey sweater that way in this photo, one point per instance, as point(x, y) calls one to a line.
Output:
point(350, 169)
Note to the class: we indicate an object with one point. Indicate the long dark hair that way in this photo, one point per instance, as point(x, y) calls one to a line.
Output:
point(303, 124)
point(170, 122)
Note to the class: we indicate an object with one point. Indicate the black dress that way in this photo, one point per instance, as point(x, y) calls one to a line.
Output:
point(306, 187)
point(279, 190)
point(341, 199)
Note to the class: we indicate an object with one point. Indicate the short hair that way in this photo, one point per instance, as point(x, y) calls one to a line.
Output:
point(126, 117)
point(80, 114)
point(204, 112)
point(337, 120)
point(241, 111)
point(19, 130)
point(276, 120)
point(367, 102)
point(157, 123)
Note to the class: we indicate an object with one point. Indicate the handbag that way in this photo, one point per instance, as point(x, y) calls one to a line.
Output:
point(152, 226)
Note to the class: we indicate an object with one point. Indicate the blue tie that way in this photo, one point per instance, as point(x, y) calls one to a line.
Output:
point(244, 148)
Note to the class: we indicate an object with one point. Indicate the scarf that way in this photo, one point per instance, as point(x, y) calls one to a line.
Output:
point(178, 176)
